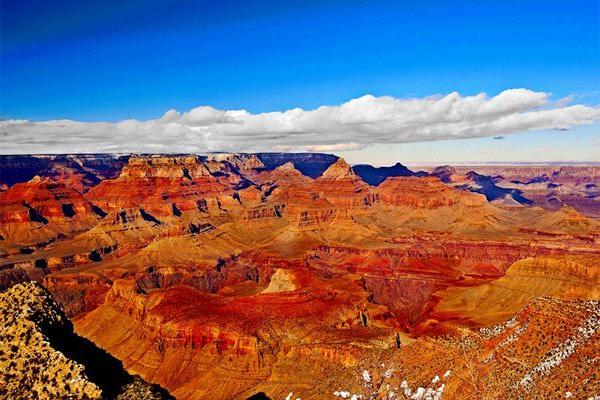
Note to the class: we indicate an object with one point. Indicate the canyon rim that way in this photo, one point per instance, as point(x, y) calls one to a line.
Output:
point(299, 200)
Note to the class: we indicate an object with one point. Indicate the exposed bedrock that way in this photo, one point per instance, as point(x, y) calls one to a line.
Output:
point(43, 358)
point(226, 275)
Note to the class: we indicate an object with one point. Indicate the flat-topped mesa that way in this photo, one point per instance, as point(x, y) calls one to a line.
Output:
point(242, 162)
point(163, 185)
point(187, 170)
point(172, 167)
point(339, 170)
point(427, 192)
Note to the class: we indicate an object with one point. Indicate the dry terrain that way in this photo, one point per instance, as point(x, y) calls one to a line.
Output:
point(225, 276)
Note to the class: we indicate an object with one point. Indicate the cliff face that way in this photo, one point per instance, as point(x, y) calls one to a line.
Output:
point(41, 211)
point(42, 358)
point(527, 279)
point(31, 365)
point(160, 186)
point(42, 200)
point(225, 275)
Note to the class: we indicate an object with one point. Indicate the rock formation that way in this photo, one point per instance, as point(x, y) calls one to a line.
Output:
point(230, 275)
point(339, 170)
point(547, 186)
point(375, 175)
point(42, 358)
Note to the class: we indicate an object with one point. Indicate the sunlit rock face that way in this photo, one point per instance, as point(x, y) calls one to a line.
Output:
point(226, 275)
point(43, 358)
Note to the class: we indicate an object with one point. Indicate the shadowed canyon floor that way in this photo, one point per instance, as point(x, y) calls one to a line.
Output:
point(226, 275)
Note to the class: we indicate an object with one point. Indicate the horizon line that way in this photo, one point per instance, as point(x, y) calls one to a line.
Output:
point(413, 163)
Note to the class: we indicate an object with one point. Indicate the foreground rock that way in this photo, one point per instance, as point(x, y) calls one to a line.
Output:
point(42, 358)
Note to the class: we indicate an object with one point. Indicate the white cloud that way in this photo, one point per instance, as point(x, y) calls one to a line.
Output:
point(352, 125)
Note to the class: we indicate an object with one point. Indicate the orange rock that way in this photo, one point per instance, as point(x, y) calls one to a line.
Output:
point(218, 278)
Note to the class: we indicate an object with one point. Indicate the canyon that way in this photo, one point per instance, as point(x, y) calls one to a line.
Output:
point(282, 275)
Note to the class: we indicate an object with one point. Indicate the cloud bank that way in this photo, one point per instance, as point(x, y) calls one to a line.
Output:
point(352, 125)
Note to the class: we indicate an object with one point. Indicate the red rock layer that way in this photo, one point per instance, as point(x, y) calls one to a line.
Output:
point(417, 192)
point(216, 277)
point(41, 199)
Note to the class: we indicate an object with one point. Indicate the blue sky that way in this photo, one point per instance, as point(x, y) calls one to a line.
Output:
point(109, 60)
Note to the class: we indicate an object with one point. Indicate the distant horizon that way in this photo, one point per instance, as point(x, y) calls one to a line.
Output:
point(407, 164)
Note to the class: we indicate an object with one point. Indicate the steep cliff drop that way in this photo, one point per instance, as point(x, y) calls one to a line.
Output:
point(42, 358)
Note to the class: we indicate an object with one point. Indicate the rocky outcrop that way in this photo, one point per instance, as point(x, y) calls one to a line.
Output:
point(521, 358)
point(339, 170)
point(12, 274)
point(40, 211)
point(31, 365)
point(41, 357)
point(42, 200)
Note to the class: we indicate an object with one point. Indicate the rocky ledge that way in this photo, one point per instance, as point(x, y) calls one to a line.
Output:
point(41, 357)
